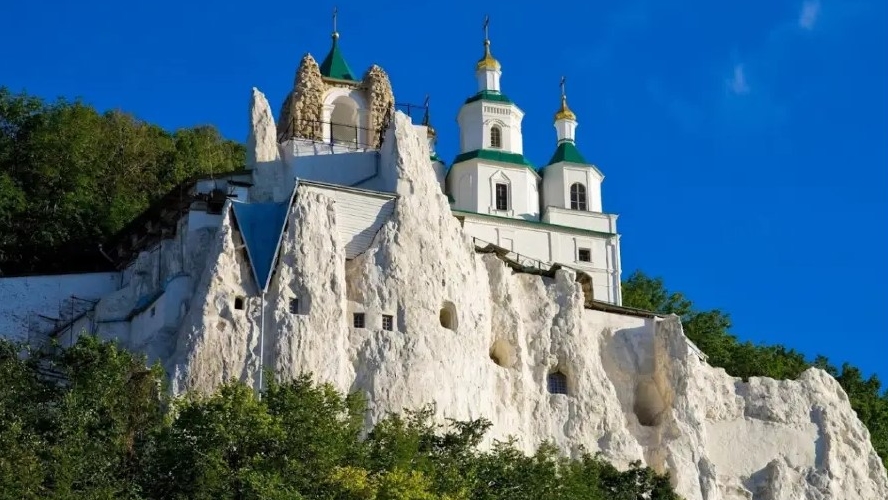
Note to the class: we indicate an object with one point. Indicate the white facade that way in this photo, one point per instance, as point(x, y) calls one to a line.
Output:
point(476, 184)
point(480, 120)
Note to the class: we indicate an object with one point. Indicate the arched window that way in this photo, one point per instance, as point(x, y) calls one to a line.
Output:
point(496, 137)
point(344, 122)
point(577, 196)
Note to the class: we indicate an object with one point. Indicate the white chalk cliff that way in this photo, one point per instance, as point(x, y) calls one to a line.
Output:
point(635, 390)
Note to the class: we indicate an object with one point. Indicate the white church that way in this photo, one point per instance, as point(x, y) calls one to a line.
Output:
point(330, 138)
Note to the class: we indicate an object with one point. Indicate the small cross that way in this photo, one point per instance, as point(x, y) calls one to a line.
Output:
point(562, 86)
point(486, 24)
point(426, 104)
point(335, 12)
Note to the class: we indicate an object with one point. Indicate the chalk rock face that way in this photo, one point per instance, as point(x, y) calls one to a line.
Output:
point(262, 146)
point(263, 153)
point(479, 340)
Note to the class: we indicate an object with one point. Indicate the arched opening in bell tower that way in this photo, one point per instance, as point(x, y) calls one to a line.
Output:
point(344, 123)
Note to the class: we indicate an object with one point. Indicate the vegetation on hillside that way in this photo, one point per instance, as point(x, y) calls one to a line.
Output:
point(109, 431)
point(709, 330)
point(70, 177)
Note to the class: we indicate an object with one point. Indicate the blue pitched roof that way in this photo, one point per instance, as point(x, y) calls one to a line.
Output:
point(261, 225)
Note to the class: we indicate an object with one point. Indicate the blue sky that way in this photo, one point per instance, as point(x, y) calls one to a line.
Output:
point(745, 144)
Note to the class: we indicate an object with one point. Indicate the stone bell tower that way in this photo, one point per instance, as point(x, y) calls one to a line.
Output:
point(329, 104)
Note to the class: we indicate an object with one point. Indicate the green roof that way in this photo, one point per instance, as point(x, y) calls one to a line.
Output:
point(493, 155)
point(489, 95)
point(334, 65)
point(567, 151)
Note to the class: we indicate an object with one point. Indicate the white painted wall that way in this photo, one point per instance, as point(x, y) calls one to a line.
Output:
point(473, 185)
point(475, 120)
point(22, 298)
point(558, 178)
point(359, 215)
point(593, 221)
point(321, 162)
point(550, 245)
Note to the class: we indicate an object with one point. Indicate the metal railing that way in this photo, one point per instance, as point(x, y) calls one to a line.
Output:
point(413, 111)
point(335, 134)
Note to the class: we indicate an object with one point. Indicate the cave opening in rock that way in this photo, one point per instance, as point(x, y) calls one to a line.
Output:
point(503, 354)
point(650, 405)
point(447, 316)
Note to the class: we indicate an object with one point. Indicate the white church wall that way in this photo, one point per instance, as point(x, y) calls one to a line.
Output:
point(557, 180)
point(523, 196)
point(477, 118)
point(590, 179)
point(22, 298)
point(593, 221)
point(322, 162)
point(549, 245)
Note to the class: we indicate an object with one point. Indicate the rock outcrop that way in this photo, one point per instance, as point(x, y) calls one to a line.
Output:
point(301, 113)
point(479, 340)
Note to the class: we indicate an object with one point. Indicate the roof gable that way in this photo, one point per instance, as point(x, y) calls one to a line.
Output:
point(261, 225)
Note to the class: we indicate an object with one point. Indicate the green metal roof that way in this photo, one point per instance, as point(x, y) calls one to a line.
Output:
point(489, 95)
point(493, 155)
point(334, 65)
point(567, 151)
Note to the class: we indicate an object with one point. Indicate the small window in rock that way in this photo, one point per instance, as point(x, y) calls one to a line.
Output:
point(557, 383)
point(358, 320)
point(447, 316)
point(584, 255)
point(294, 306)
point(388, 322)
point(239, 303)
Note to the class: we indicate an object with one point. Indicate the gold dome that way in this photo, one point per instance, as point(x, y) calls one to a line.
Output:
point(487, 62)
point(565, 113)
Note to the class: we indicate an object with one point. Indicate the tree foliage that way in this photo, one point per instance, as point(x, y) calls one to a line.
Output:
point(70, 177)
point(92, 421)
point(709, 330)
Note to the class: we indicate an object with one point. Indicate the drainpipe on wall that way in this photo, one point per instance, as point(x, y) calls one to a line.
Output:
point(261, 339)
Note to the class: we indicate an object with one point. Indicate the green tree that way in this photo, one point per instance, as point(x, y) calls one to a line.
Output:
point(93, 422)
point(71, 177)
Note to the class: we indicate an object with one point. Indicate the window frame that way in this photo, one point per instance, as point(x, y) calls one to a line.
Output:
point(391, 322)
point(496, 137)
point(580, 251)
point(579, 200)
point(496, 196)
point(357, 318)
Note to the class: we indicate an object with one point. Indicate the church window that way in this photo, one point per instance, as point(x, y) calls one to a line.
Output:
point(584, 255)
point(557, 382)
point(577, 196)
point(239, 303)
point(358, 320)
point(496, 137)
point(502, 196)
point(294, 306)
point(388, 322)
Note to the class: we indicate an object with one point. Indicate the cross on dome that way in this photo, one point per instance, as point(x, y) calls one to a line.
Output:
point(487, 62)
point(564, 113)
